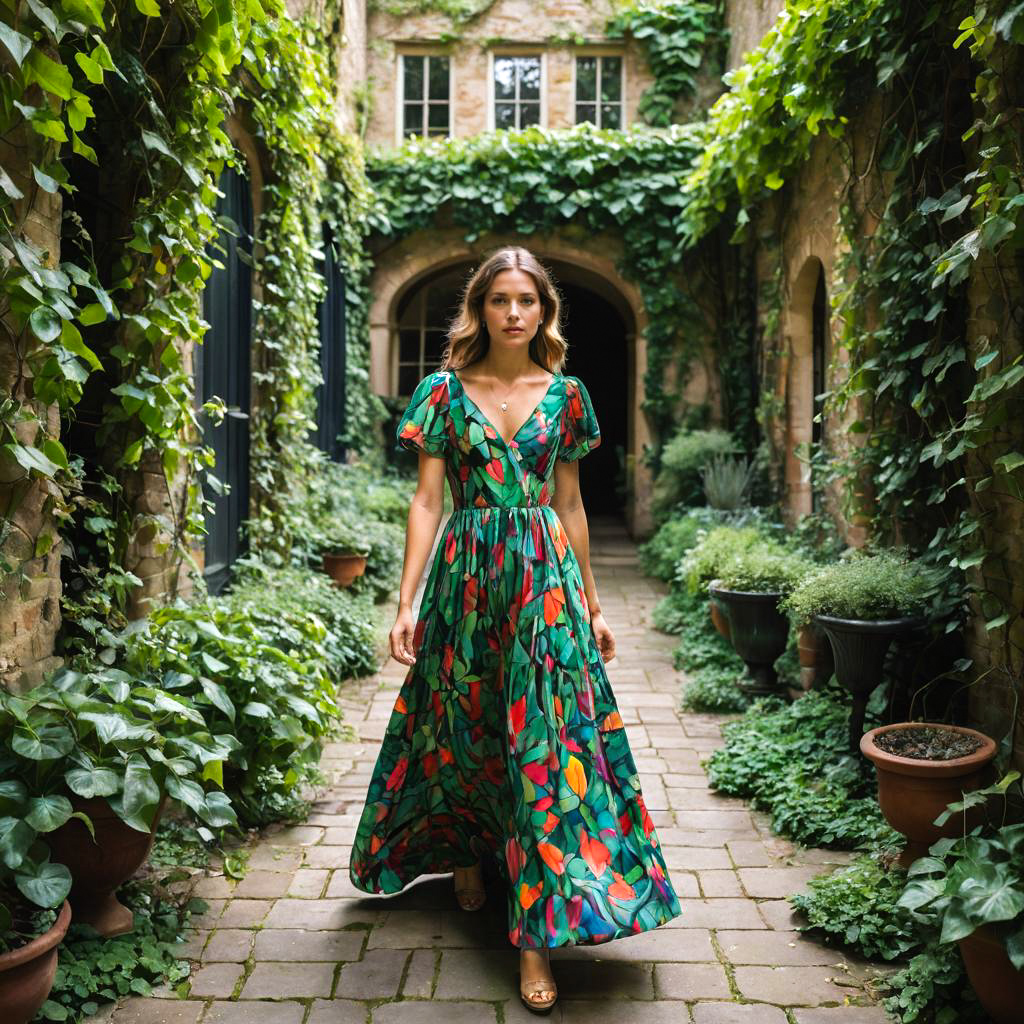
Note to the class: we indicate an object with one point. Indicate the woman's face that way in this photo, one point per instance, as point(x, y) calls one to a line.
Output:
point(512, 310)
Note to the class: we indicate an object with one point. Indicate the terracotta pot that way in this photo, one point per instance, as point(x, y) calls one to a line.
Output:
point(719, 617)
point(997, 983)
point(101, 867)
point(815, 652)
point(27, 973)
point(913, 792)
point(759, 633)
point(859, 647)
point(344, 568)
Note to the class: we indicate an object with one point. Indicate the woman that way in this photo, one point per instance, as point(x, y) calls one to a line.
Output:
point(505, 741)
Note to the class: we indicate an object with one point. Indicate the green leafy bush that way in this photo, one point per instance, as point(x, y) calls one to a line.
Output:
point(763, 569)
point(679, 479)
point(260, 675)
point(872, 587)
point(660, 556)
point(715, 552)
point(857, 906)
point(793, 761)
point(726, 481)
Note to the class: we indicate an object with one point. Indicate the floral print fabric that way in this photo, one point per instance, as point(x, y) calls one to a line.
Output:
point(505, 738)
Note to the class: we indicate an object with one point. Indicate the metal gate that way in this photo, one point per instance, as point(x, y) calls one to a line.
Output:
point(330, 396)
point(223, 369)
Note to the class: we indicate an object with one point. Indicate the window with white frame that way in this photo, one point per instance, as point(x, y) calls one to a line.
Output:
point(423, 318)
point(426, 95)
point(516, 91)
point(599, 90)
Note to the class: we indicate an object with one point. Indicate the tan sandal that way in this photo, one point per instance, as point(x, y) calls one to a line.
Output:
point(531, 988)
point(469, 897)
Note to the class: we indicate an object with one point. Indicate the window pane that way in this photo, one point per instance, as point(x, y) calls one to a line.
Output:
point(586, 112)
point(439, 78)
point(412, 71)
point(611, 78)
point(504, 78)
point(529, 113)
point(434, 345)
point(413, 124)
point(611, 115)
point(437, 117)
point(529, 78)
point(504, 115)
point(408, 346)
point(586, 78)
point(408, 378)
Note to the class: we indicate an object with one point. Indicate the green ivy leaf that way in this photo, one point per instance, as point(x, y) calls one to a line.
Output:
point(148, 7)
point(18, 46)
point(53, 77)
point(46, 884)
point(45, 813)
point(71, 339)
point(45, 323)
point(93, 782)
point(15, 839)
point(141, 794)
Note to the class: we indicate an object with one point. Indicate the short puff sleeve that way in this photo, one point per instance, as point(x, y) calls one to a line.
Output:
point(424, 424)
point(580, 432)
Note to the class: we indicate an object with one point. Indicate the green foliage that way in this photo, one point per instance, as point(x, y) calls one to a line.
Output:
point(459, 12)
point(881, 586)
point(715, 552)
point(679, 477)
point(933, 989)
point(678, 38)
point(762, 568)
point(660, 556)
point(726, 482)
point(92, 971)
point(260, 673)
point(793, 761)
point(858, 907)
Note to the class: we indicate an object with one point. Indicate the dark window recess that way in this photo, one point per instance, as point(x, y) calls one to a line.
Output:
point(426, 100)
point(223, 369)
point(330, 395)
point(818, 357)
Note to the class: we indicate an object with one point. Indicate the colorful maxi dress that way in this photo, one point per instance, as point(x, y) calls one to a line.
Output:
point(505, 738)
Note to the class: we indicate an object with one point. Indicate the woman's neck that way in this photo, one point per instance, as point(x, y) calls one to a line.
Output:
point(507, 366)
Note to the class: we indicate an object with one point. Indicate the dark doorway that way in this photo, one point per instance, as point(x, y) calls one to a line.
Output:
point(330, 395)
point(597, 355)
point(223, 369)
point(818, 357)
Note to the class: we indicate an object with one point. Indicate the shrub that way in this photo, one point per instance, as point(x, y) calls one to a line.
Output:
point(870, 587)
point(725, 481)
point(678, 480)
point(715, 552)
point(660, 556)
point(763, 569)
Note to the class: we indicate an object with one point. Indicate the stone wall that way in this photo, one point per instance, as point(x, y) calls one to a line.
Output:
point(507, 26)
point(748, 21)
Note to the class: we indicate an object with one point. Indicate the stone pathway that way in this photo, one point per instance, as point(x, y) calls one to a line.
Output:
point(294, 943)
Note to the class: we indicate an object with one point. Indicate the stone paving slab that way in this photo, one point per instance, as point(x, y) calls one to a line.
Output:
point(294, 943)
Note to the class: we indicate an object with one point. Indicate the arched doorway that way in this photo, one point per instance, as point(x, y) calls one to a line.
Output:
point(598, 355)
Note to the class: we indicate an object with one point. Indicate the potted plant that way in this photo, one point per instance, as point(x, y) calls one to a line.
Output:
point(750, 588)
point(862, 604)
point(342, 550)
point(30, 887)
point(104, 751)
point(817, 663)
point(970, 889)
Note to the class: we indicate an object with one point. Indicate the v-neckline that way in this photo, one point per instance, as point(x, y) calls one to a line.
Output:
point(509, 442)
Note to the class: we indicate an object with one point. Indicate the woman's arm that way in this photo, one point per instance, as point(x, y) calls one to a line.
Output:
point(425, 513)
point(568, 504)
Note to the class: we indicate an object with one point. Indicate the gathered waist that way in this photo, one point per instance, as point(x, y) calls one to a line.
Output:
point(492, 510)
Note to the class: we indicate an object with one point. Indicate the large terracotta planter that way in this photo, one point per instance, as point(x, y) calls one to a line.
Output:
point(859, 647)
point(27, 973)
point(759, 633)
point(913, 792)
point(99, 868)
point(344, 568)
point(997, 983)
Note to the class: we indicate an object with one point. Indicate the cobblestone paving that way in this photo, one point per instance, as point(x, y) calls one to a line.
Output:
point(294, 943)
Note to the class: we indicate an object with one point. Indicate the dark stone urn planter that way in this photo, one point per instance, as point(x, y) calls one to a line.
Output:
point(997, 983)
point(99, 868)
point(27, 973)
point(719, 616)
point(914, 791)
point(344, 568)
point(859, 647)
point(759, 633)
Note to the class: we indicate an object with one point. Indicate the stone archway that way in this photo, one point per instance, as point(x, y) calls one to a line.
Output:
point(587, 265)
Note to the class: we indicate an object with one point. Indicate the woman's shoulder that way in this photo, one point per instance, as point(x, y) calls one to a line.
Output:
point(435, 384)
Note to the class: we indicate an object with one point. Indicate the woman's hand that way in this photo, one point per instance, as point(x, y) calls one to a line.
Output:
point(402, 636)
point(604, 637)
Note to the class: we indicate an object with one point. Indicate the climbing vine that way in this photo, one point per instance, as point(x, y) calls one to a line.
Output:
point(679, 39)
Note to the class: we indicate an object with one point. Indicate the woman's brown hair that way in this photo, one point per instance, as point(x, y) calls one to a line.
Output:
point(468, 340)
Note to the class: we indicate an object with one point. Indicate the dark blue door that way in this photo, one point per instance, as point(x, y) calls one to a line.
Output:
point(330, 396)
point(224, 370)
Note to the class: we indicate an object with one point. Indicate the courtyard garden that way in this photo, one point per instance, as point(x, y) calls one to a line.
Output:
point(839, 591)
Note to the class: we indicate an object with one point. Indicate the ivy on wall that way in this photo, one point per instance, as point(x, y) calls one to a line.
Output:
point(141, 92)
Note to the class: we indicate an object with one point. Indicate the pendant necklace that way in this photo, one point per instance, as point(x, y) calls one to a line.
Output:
point(504, 405)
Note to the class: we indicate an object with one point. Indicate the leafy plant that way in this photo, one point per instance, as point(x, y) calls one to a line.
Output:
point(763, 568)
point(679, 477)
point(659, 557)
point(716, 551)
point(726, 481)
point(870, 587)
